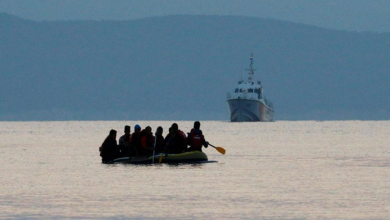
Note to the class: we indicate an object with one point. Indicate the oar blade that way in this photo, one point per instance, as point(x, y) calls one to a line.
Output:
point(160, 159)
point(221, 150)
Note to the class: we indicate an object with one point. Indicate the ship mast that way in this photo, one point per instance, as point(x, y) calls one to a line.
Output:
point(251, 71)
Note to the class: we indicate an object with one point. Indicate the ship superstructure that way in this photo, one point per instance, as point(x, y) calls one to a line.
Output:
point(248, 102)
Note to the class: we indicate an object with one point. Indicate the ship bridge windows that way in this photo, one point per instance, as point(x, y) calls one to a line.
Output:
point(237, 90)
point(250, 90)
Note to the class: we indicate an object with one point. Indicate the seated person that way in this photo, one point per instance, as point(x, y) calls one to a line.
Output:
point(160, 140)
point(124, 142)
point(135, 141)
point(147, 141)
point(109, 148)
point(196, 139)
point(175, 142)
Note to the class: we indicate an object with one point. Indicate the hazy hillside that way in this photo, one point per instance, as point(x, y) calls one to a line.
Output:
point(181, 67)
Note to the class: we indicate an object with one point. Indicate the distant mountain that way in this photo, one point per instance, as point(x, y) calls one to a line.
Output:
point(181, 67)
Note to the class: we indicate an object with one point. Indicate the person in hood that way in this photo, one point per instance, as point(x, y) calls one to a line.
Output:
point(175, 142)
point(147, 141)
point(109, 149)
point(135, 140)
point(160, 140)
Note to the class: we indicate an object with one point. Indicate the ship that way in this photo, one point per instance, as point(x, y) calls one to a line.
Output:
point(248, 103)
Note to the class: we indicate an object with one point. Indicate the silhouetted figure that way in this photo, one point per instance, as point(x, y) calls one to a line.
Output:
point(124, 142)
point(135, 141)
point(147, 141)
point(195, 138)
point(176, 141)
point(109, 149)
point(160, 140)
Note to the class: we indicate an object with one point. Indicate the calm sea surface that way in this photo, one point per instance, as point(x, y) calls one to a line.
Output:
point(279, 170)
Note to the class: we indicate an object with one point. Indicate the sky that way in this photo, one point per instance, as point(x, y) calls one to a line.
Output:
point(352, 15)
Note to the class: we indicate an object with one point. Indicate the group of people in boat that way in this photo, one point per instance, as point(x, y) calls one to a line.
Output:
point(142, 142)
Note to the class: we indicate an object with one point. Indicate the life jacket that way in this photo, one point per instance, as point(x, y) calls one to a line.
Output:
point(197, 140)
point(176, 143)
point(147, 141)
point(184, 136)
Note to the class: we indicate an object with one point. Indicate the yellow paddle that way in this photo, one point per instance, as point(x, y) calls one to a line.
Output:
point(219, 149)
point(160, 159)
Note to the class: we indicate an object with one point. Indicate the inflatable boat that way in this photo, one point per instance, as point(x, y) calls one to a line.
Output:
point(187, 157)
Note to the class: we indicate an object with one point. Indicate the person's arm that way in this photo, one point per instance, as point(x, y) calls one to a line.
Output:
point(143, 141)
point(121, 141)
point(205, 143)
point(189, 139)
point(183, 144)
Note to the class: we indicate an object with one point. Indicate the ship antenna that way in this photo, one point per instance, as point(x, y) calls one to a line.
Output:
point(251, 60)
point(251, 70)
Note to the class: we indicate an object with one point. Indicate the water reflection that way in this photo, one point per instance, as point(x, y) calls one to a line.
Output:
point(280, 170)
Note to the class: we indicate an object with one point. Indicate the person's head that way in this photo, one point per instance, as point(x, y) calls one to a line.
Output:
point(197, 125)
point(127, 129)
point(159, 130)
point(112, 133)
point(137, 128)
point(175, 128)
point(148, 129)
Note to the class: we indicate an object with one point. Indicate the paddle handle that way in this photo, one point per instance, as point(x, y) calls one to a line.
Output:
point(155, 141)
point(213, 146)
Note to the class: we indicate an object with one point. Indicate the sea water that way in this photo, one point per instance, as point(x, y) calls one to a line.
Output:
point(277, 170)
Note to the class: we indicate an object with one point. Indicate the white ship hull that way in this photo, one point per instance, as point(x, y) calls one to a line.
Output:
point(246, 110)
point(248, 102)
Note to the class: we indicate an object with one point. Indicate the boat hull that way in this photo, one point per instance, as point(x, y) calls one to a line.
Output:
point(247, 110)
point(187, 157)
